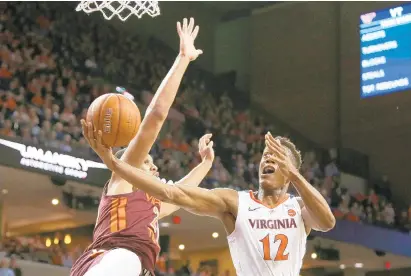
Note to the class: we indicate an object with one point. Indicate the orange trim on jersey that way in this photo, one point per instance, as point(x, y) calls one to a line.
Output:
point(94, 253)
point(121, 212)
point(113, 215)
point(118, 214)
point(265, 205)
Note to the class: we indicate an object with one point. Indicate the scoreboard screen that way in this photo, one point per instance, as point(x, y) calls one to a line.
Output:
point(385, 40)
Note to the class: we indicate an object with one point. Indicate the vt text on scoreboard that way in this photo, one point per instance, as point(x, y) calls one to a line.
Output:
point(385, 51)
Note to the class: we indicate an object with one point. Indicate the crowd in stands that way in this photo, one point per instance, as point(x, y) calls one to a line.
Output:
point(54, 64)
point(36, 249)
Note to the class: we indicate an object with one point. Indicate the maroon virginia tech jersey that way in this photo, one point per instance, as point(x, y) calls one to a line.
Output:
point(128, 221)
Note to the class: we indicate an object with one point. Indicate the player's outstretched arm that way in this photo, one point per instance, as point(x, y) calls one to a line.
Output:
point(159, 107)
point(315, 209)
point(196, 175)
point(197, 200)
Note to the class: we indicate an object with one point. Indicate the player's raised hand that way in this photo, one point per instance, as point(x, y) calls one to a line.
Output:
point(94, 138)
point(188, 33)
point(280, 156)
point(205, 148)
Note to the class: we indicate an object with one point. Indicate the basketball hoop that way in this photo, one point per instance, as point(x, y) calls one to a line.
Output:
point(122, 9)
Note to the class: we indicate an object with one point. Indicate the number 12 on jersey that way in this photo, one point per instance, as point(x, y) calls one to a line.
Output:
point(281, 248)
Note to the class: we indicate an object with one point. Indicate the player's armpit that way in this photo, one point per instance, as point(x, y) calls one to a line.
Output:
point(167, 209)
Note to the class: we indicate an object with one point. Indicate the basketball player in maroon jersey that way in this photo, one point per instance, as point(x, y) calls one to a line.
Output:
point(125, 238)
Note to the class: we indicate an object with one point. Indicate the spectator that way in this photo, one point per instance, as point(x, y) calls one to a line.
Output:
point(389, 214)
point(204, 270)
point(5, 270)
point(67, 258)
point(331, 169)
point(14, 266)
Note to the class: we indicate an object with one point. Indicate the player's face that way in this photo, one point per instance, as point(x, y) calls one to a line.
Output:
point(148, 166)
point(269, 175)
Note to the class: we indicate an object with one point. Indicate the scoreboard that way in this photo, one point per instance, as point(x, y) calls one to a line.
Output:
point(385, 40)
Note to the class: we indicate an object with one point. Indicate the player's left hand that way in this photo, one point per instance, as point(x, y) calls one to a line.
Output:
point(205, 148)
point(94, 138)
point(188, 34)
point(280, 156)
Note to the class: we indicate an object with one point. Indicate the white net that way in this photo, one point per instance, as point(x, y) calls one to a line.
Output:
point(122, 9)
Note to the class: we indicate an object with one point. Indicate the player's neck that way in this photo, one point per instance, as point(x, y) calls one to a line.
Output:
point(271, 197)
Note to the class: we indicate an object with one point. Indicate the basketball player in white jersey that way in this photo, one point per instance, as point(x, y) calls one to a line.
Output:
point(267, 230)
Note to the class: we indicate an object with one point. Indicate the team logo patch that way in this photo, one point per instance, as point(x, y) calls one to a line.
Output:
point(368, 17)
point(291, 212)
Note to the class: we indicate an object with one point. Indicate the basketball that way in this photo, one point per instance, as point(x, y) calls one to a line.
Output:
point(117, 117)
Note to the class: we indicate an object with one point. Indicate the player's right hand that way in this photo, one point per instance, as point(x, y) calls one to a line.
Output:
point(205, 148)
point(188, 34)
point(94, 138)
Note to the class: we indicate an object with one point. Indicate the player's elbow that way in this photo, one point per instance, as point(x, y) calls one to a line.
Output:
point(329, 223)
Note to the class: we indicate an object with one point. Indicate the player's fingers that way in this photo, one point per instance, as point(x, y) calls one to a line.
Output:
point(179, 30)
point(185, 25)
point(201, 143)
point(90, 131)
point(99, 138)
point(84, 128)
point(274, 149)
point(190, 25)
point(274, 143)
point(195, 32)
point(274, 140)
point(211, 144)
point(85, 133)
point(199, 52)
point(207, 138)
point(270, 137)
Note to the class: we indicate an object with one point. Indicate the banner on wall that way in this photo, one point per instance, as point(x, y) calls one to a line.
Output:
point(52, 162)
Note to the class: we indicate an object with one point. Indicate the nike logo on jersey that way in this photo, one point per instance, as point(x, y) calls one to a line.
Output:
point(253, 209)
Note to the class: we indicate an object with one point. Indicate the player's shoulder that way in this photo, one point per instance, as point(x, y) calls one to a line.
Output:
point(229, 196)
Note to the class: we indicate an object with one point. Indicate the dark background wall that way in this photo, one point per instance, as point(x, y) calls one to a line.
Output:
point(306, 69)
point(293, 63)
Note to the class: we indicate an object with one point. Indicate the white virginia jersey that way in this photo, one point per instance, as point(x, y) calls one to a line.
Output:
point(267, 241)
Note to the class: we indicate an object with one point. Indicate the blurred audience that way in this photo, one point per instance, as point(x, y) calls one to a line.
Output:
point(53, 64)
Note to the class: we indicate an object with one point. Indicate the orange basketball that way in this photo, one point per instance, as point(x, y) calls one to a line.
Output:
point(117, 117)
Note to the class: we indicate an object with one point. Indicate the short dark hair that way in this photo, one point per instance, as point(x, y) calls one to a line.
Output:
point(292, 151)
point(120, 153)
